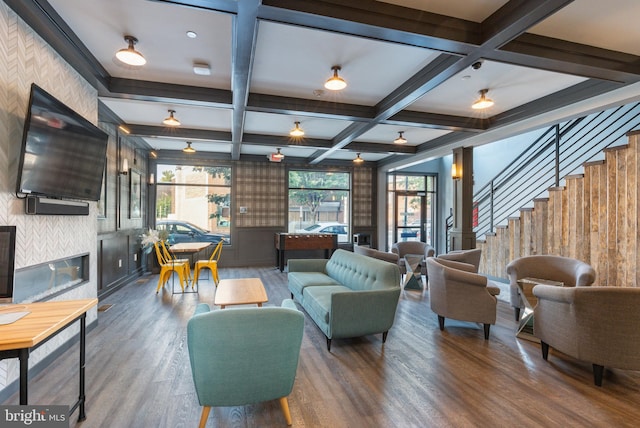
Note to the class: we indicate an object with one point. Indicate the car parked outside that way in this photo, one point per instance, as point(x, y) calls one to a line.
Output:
point(340, 229)
point(183, 231)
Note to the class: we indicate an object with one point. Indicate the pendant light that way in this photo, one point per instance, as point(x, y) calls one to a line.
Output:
point(129, 55)
point(171, 120)
point(296, 131)
point(335, 82)
point(482, 102)
point(189, 149)
point(400, 139)
point(278, 154)
point(358, 159)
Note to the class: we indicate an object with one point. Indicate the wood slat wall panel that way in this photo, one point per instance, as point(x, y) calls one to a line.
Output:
point(526, 230)
point(593, 218)
point(575, 217)
point(540, 207)
point(584, 230)
point(501, 251)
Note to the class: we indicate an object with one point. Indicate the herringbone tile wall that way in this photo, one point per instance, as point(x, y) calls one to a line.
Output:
point(25, 58)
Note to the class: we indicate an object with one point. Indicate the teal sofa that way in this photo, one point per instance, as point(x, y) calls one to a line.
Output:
point(349, 295)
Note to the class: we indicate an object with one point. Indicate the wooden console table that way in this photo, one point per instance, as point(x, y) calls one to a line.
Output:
point(45, 320)
point(309, 241)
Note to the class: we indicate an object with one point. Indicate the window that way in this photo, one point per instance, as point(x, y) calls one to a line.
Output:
point(192, 202)
point(319, 202)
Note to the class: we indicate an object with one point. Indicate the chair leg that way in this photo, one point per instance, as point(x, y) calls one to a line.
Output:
point(384, 336)
point(196, 274)
point(487, 327)
point(545, 350)
point(285, 410)
point(517, 311)
point(441, 322)
point(328, 344)
point(598, 370)
point(204, 416)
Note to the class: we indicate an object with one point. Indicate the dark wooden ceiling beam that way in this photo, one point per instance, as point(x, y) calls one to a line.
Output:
point(438, 121)
point(142, 90)
point(178, 133)
point(245, 32)
point(307, 107)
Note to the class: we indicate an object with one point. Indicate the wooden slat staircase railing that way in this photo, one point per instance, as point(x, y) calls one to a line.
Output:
point(593, 217)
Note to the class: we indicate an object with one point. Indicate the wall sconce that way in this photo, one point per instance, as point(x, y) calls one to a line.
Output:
point(152, 179)
point(456, 173)
point(125, 167)
point(456, 170)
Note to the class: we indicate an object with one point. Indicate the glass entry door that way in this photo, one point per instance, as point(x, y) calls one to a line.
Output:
point(411, 208)
point(411, 218)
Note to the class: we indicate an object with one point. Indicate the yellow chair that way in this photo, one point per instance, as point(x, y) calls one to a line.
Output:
point(167, 268)
point(171, 258)
point(211, 263)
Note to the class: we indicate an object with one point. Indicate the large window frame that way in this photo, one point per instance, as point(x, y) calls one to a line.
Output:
point(327, 207)
point(197, 194)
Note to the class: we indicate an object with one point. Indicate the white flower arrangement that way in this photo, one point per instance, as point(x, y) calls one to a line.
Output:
point(152, 236)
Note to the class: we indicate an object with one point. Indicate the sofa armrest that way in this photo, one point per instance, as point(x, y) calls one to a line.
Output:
point(307, 265)
point(357, 313)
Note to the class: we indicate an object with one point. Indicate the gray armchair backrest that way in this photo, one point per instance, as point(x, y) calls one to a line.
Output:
point(376, 254)
point(412, 247)
point(244, 355)
point(594, 324)
point(571, 272)
point(471, 257)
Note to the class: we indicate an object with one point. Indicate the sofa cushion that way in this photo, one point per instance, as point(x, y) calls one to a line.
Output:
point(360, 272)
point(318, 299)
point(299, 280)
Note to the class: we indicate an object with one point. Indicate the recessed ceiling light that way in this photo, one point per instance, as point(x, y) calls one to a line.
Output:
point(192, 34)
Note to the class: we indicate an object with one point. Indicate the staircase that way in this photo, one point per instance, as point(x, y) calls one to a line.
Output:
point(593, 217)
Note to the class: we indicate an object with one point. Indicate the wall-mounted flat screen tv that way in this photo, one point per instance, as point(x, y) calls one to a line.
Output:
point(63, 155)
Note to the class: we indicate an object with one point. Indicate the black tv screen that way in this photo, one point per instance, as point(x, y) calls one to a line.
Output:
point(63, 155)
point(7, 262)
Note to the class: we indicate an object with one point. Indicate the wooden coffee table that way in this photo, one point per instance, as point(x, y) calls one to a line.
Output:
point(240, 291)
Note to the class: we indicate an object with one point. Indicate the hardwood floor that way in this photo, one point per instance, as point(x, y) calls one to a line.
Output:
point(138, 372)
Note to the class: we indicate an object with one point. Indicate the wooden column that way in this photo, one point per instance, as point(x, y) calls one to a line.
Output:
point(462, 235)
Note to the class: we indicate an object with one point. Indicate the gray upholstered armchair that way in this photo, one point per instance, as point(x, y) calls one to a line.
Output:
point(571, 272)
point(471, 257)
point(245, 355)
point(376, 254)
point(412, 247)
point(457, 292)
point(594, 324)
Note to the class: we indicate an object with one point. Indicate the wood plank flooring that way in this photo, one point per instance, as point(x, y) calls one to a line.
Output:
point(138, 372)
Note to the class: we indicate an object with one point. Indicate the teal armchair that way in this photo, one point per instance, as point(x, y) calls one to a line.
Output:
point(244, 355)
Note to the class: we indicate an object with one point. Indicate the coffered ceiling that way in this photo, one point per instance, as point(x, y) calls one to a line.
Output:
point(409, 65)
